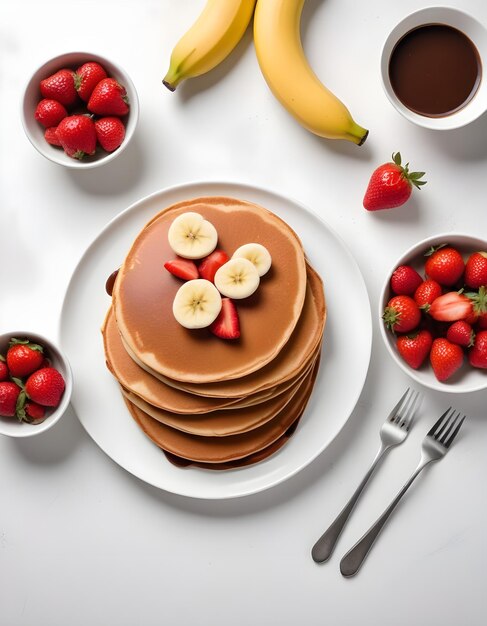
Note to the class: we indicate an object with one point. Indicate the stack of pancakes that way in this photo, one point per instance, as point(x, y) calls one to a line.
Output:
point(204, 400)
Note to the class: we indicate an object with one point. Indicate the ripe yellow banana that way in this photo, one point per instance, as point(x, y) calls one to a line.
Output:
point(212, 37)
point(290, 77)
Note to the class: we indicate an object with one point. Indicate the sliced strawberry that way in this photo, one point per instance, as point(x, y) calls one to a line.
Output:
point(450, 307)
point(212, 263)
point(227, 325)
point(182, 268)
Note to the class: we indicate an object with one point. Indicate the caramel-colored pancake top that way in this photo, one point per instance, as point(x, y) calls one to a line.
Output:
point(291, 360)
point(223, 449)
point(144, 292)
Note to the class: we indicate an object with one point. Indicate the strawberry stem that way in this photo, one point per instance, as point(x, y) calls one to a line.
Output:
point(413, 177)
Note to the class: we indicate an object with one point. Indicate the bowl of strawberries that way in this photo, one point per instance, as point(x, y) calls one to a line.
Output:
point(80, 110)
point(433, 309)
point(35, 384)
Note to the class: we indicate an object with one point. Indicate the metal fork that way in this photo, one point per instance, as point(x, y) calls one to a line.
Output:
point(393, 432)
point(434, 447)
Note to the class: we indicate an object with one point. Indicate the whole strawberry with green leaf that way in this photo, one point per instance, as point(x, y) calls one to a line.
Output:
point(391, 185)
point(23, 357)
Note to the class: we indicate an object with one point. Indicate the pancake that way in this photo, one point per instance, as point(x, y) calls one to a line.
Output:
point(144, 292)
point(292, 359)
point(139, 382)
point(232, 447)
point(220, 423)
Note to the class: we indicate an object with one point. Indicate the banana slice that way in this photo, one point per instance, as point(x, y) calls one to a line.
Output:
point(256, 254)
point(191, 236)
point(197, 304)
point(237, 279)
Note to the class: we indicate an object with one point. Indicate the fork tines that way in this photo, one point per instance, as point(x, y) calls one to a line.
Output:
point(403, 413)
point(446, 427)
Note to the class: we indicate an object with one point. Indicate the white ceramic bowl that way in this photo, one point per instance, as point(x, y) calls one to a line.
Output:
point(11, 426)
point(476, 32)
point(468, 378)
point(32, 96)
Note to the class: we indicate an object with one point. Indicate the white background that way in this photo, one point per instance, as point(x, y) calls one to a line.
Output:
point(82, 541)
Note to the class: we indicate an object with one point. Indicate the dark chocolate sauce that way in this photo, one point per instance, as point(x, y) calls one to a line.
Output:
point(435, 70)
point(111, 282)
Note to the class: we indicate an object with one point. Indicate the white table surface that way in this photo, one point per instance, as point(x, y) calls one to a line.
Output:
point(81, 540)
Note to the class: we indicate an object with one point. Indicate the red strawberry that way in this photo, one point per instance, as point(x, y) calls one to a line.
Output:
point(405, 280)
point(182, 268)
point(9, 393)
point(51, 137)
point(109, 98)
point(446, 358)
point(476, 270)
point(60, 87)
point(50, 112)
point(227, 325)
point(77, 135)
point(87, 77)
point(477, 355)
point(23, 357)
point(450, 307)
point(427, 293)
point(110, 133)
point(45, 386)
point(34, 411)
point(461, 333)
point(401, 314)
point(415, 348)
point(482, 321)
point(391, 185)
point(3, 370)
point(212, 263)
point(445, 265)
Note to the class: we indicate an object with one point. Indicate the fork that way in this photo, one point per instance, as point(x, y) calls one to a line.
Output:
point(393, 432)
point(434, 447)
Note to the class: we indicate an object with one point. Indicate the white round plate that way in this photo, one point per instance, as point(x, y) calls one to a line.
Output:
point(96, 396)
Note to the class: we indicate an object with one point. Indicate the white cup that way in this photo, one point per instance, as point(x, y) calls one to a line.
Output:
point(465, 23)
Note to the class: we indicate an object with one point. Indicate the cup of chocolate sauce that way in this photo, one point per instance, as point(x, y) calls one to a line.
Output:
point(434, 68)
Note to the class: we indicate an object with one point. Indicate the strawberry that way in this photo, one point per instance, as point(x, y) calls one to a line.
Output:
point(45, 386)
point(33, 411)
point(446, 358)
point(415, 348)
point(182, 268)
point(445, 265)
point(401, 314)
point(23, 357)
point(405, 280)
point(212, 263)
point(226, 325)
point(450, 307)
point(51, 137)
point(9, 393)
point(87, 77)
point(60, 87)
point(77, 135)
point(476, 270)
point(50, 112)
point(3, 370)
point(391, 185)
point(482, 321)
point(427, 293)
point(477, 355)
point(110, 133)
point(461, 333)
point(108, 98)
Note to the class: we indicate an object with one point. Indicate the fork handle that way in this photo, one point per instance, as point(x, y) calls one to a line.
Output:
point(323, 548)
point(353, 559)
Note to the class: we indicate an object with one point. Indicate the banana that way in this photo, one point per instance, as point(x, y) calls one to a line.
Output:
point(237, 279)
point(191, 236)
point(287, 72)
point(212, 37)
point(256, 254)
point(197, 304)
